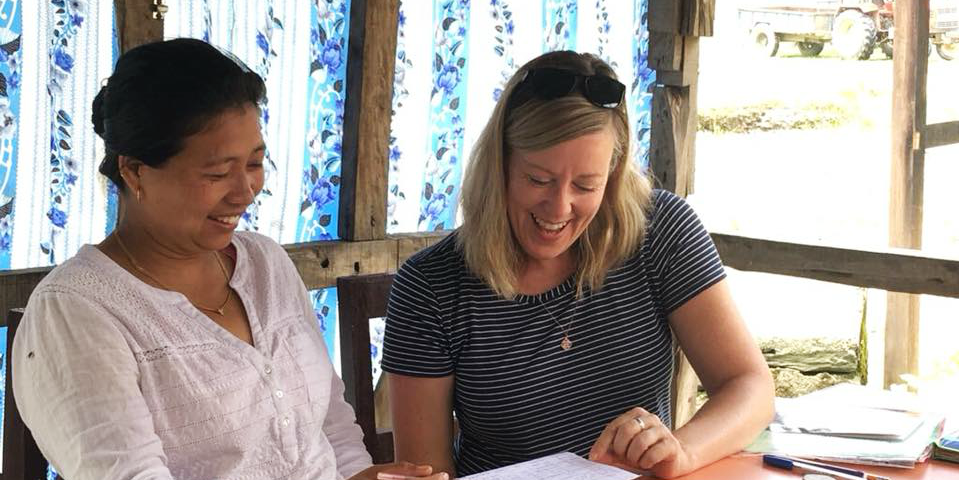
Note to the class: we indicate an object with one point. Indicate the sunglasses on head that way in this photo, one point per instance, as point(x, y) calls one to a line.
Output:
point(552, 83)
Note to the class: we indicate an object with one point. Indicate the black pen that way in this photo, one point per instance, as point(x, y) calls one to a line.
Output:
point(801, 466)
point(866, 475)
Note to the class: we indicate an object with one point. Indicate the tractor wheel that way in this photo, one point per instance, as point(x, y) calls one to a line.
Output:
point(947, 51)
point(854, 35)
point(764, 40)
point(886, 48)
point(810, 49)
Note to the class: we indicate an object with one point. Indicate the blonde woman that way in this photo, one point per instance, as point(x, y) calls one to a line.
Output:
point(545, 322)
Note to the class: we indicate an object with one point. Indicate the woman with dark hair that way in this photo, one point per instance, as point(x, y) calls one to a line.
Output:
point(177, 347)
point(546, 321)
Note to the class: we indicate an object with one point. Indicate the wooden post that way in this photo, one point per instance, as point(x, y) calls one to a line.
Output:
point(675, 27)
point(135, 23)
point(366, 120)
point(910, 64)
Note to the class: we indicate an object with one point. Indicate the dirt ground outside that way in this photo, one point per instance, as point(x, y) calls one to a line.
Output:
point(829, 184)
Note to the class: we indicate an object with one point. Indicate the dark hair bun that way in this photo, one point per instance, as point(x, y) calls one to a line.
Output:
point(98, 116)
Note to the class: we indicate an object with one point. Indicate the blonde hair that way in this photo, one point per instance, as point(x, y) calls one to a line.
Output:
point(486, 239)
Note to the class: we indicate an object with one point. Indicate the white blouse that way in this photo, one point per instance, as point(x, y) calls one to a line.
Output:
point(120, 380)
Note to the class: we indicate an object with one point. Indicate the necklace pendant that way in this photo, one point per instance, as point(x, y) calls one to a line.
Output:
point(566, 344)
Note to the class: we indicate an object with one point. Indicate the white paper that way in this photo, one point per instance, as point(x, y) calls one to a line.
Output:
point(561, 466)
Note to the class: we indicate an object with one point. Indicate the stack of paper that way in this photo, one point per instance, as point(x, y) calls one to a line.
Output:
point(798, 416)
point(561, 466)
point(836, 424)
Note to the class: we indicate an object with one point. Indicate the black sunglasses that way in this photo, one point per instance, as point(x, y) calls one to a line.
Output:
point(552, 83)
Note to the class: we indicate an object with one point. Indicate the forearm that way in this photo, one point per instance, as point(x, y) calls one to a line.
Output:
point(412, 445)
point(732, 417)
point(422, 410)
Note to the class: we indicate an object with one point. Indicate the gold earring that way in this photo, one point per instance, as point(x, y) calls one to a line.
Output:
point(139, 195)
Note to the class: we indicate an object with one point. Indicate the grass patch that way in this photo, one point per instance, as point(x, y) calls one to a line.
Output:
point(774, 115)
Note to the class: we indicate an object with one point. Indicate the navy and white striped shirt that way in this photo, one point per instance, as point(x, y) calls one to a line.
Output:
point(518, 395)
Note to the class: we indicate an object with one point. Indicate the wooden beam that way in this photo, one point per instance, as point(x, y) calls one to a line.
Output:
point(665, 51)
point(366, 119)
point(697, 18)
point(941, 134)
point(688, 72)
point(910, 67)
point(895, 270)
point(688, 18)
point(674, 54)
point(135, 23)
point(321, 263)
point(664, 16)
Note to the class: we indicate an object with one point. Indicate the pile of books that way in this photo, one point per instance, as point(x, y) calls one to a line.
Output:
point(852, 424)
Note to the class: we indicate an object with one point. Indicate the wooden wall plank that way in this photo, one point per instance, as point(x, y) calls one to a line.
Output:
point(941, 134)
point(366, 119)
point(688, 72)
point(910, 66)
point(320, 263)
point(664, 16)
point(899, 270)
point(697, 18)
point(673, 137)
point(135, 23)
point(665, 51)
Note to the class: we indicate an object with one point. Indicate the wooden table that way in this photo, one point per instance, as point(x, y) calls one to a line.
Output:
point(742, 467)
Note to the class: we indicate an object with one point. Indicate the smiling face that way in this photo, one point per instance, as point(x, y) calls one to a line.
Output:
point(193, 201)
point(553, 194)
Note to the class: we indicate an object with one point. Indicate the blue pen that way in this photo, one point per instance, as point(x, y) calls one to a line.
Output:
point(801, 466)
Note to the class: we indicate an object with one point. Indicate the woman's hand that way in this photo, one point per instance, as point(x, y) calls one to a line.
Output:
point(399, 471)
point(638, 440)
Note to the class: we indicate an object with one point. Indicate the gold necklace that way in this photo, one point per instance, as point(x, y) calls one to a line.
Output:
point(566, 344)
point(229, 291)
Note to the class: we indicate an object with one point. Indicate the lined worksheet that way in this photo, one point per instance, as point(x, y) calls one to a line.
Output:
point(561, 466)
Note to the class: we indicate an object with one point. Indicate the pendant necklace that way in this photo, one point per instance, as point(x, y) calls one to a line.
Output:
point(566, 343)
point(218, 311)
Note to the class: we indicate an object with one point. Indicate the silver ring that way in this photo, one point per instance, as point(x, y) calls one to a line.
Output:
point(642, 424)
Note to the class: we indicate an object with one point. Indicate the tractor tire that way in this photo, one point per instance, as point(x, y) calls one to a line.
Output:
point(810, 49)
point(947, 51)
point(886, 48)
point(764, 40)
point(854, 35)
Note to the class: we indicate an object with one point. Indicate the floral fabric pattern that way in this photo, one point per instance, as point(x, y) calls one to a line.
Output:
point(52, 201)
point(447, 109)
point(396, 192)
point(641, 97)
point(559, 24)
point(319, 209)
point(11, 72)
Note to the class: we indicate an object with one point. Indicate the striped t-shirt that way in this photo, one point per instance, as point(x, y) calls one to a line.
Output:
point(517, 394)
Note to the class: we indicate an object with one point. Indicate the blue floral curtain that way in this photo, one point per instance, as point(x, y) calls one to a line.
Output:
point(443, 91)
point(53, 56)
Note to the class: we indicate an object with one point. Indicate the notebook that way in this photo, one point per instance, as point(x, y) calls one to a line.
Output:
point(947, 448)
